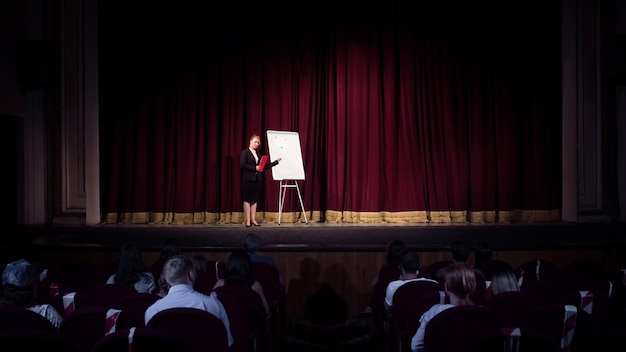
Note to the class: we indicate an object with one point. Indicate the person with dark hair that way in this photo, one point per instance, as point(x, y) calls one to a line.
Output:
point(169, 248)
point(460, 252)
point(180, 274)
point(482, 258)
point(200, 263)
point(239, 272)
point(251, 244)
point(482, 253)
point(131, 270)
point(460, 284)
point(393, 252)
point(252, 178)
point(20, 281)
point(409, 271)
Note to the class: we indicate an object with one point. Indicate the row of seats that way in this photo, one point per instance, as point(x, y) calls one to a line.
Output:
point(252, 328)
point(600, 309)
point(93, 329)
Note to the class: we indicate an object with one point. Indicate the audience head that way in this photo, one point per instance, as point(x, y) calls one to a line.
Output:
point(178, 270)
point(130, 264)
point(239, 268)
point(170, 248)
point(460, 251)
point(482, 253)
point(19, 284)
point(199, 262)
point(409, 262)
point(460, 281)
point(251, 243)
point(503, 280)
point(395, 248)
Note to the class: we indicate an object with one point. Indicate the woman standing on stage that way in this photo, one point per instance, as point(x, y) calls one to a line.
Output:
point(252, 178)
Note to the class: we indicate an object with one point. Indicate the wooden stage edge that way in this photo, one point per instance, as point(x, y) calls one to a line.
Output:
point(329, 236)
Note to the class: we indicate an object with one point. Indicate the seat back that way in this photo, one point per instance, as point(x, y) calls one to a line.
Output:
point(269, 278)
point(203, 330)
point(246, 315)
point(433, 269)
point(552, 292)
point(133, 308)
point(387, 273)
point(81, 276)
point(102, 296)
point(406, 311)
point(34, 340)
point(480, 294)
point(406, 303)
point(514, 339)
point(85, 326)
point(614, 321)
point(21, 318)
point(514, 306)
point(206, 280)
point(537, 270)
point(458, 328)
point(140, 340)
point(491, 266)
point(571, 327)
point(613, 340)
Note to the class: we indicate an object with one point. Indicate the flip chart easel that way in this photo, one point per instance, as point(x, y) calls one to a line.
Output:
point(286, 144)
point(284, 185)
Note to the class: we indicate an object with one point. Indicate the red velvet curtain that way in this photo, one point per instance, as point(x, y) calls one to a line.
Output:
point(407, 111)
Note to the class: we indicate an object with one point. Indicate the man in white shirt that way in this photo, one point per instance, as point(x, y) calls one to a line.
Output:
point(409, 268)
point(180, 274)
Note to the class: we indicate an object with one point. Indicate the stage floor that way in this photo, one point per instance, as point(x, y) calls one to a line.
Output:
point(331, 237)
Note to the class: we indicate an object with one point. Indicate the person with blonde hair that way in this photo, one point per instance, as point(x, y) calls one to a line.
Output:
point(460, 284)
point(252, 178)
point(503, 280)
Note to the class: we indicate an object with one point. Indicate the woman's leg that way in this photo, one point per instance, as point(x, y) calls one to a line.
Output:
point(246, 212)
point(253, 214)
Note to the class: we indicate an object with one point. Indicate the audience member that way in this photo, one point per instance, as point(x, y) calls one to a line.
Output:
point(460, 283)
point(20, 281)
point(409, 271)
point(503, 280)
point(239, 272)
point(394, 250)
point(484, 264)
point(169, 248)
point(162, 286)
point(389, 271)
point(482, 256)
point(199, 262)
point(180, 274)
point(131, 270)
point(251, 244)
point(202, 282)
point(460, 251)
